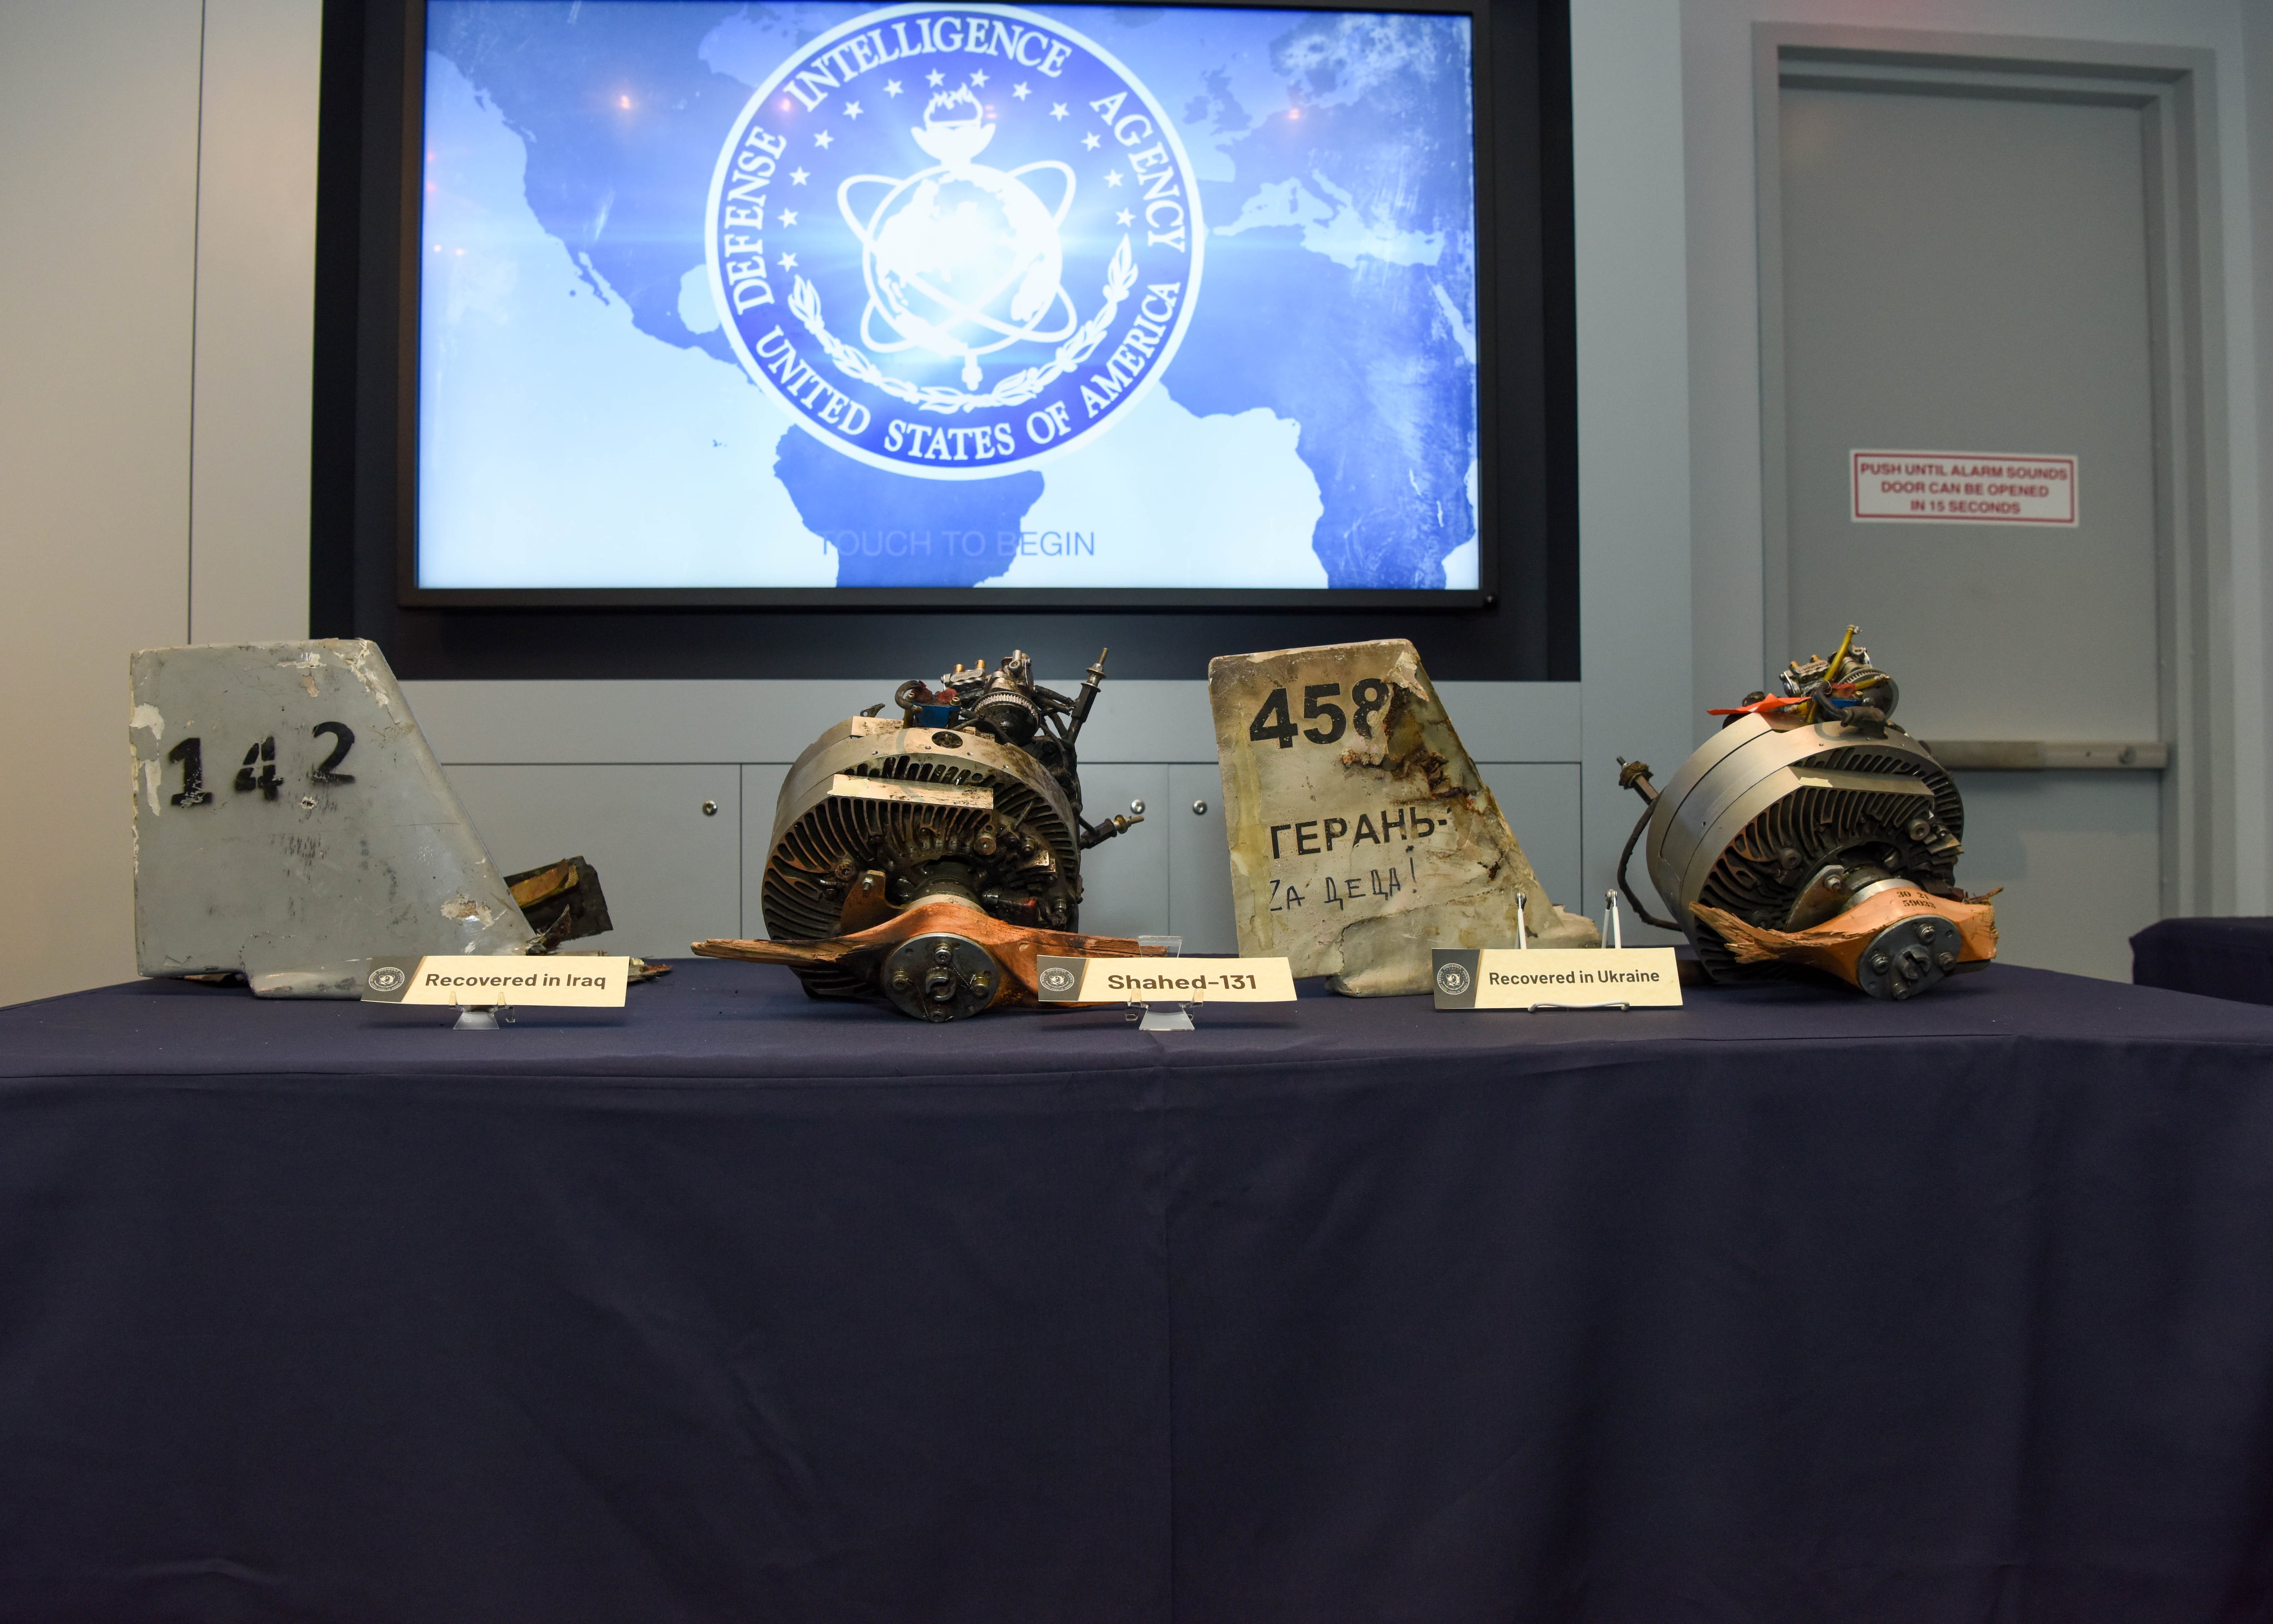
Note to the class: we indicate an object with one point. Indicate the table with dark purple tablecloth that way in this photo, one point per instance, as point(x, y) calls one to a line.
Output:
point(731, 1305)
point(2219, 958)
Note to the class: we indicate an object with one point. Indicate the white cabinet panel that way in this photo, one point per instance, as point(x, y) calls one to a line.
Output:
point(1124, 882)
point(1541, 800)
point(1199, 862)
point(671, 873)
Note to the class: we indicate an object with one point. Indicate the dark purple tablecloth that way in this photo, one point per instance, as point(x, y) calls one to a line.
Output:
point(732, 1306)
point(2220, 958)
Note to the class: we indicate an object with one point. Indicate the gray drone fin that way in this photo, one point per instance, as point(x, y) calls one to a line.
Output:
point(290, 821)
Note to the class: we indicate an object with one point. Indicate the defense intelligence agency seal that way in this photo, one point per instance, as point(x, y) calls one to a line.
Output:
point(952, 240)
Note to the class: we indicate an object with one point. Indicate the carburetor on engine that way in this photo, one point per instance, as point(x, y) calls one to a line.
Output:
point(926, 859)
point(1811, 833)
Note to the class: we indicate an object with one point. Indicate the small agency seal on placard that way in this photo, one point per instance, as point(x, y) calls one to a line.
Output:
point(1452, 979)
point(952, 241)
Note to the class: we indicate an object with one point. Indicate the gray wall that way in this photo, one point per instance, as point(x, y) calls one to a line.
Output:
point(153, 390)
point(157, 232)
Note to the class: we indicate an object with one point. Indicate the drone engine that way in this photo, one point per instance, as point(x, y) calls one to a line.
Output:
point(925, 858)
point(1809, 833)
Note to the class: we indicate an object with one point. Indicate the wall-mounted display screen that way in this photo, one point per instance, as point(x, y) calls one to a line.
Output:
point(733, 296)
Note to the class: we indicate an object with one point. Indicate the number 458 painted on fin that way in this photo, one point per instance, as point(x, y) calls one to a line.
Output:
point(1369, 696)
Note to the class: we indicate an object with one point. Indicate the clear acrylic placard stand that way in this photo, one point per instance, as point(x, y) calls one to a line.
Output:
point(481, 1017)
point(1161, 1018)
point(1614, 935)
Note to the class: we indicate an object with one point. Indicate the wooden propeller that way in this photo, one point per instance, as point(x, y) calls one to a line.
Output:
point(861, 955)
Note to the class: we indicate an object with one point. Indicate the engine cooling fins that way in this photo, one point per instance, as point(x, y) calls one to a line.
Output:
point(1810, 834)
point(920, 860)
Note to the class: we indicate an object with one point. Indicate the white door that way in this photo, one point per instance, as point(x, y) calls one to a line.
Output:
point(1968, 278)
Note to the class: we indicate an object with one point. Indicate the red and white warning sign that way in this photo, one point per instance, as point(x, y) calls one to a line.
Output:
point(1963, 487)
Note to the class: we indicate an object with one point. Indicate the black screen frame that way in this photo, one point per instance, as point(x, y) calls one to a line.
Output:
point(1519, 624)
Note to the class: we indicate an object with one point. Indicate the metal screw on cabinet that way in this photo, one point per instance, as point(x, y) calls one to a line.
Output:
point(1138, 807)
point(1199, 808)
point(709, 809)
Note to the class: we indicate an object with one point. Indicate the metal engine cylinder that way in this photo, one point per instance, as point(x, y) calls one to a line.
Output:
point(966, 806)
point(1811, 833)
point(1786, 828)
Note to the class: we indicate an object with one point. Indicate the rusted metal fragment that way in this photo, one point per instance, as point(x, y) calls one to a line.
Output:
point(561, 901)
point(535, 885)
point(1360, 834)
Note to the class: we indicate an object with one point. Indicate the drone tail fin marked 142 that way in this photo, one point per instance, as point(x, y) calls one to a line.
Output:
point(290, 821)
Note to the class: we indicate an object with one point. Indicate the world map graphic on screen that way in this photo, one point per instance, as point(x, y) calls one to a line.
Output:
point(733, 296)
